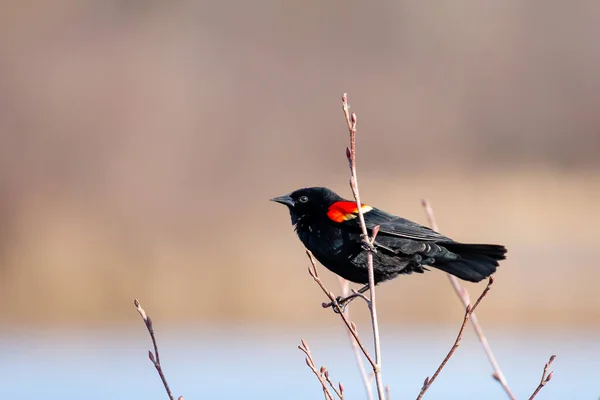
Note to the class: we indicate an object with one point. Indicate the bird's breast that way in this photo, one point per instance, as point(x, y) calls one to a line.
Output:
point(326, 241)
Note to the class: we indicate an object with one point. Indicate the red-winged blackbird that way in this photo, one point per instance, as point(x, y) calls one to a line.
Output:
point(328, 226)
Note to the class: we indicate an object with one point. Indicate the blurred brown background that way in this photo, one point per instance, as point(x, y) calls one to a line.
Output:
point(140, 142)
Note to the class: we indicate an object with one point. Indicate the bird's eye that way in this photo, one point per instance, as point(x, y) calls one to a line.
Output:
point(303, 199)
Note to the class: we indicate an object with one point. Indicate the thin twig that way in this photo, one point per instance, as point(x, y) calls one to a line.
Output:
point(469, 310)
point(349, 324)
point(345, 286)
point(368, 242)
point(154, 357)
point(360, 295)
point(339, 391)
point(345, 300)
point(463, 295)
point(545, 377)
point(320, 374)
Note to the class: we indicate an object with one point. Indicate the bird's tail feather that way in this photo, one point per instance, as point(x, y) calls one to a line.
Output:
point(475, 262)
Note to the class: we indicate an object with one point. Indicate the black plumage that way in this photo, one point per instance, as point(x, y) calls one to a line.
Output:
point(328, 226)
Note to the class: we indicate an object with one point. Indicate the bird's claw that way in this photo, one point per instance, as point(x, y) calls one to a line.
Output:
point(341, 304)
point(368, 246)
point(338, 304)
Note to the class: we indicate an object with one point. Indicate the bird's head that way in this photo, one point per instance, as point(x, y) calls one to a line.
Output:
point(313, 202)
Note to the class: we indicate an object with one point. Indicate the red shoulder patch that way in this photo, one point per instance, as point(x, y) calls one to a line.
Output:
point(341, 211)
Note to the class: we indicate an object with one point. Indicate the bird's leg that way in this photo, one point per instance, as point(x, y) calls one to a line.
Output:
point(343, 302)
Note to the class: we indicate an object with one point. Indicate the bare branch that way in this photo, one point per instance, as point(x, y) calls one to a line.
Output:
point(463, 295)
point(320, 374)
point(545, 377)
point(351, 155)
point(368, 243)
point(154, 357)
point(360, 295)
point(367, 382)
point(469, 310)
point(339, 391)
point(350, 325)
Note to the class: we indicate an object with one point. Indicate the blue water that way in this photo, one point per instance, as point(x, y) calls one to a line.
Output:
point(264, 363)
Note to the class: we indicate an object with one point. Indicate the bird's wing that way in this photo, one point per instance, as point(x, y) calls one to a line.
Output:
point(345, 212)
point(392, 225)
point(395, 226)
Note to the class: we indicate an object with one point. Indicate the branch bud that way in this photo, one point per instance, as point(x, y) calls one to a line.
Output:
point(426, 382)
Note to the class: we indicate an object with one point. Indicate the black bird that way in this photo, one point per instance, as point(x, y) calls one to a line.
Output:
point(328, 226)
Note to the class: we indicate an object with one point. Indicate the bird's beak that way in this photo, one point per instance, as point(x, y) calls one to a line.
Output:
point(285, 200)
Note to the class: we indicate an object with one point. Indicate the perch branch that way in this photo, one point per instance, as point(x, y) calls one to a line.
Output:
point(368, 243)
point(312, 270)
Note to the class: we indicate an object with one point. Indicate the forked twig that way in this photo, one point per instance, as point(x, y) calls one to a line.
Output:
point(368, 242)
point(463, 295)
point(321, 374)
point(154, 357)
point(312, 270)
point(545, 377)
point(469, 310)
point(339, 390)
